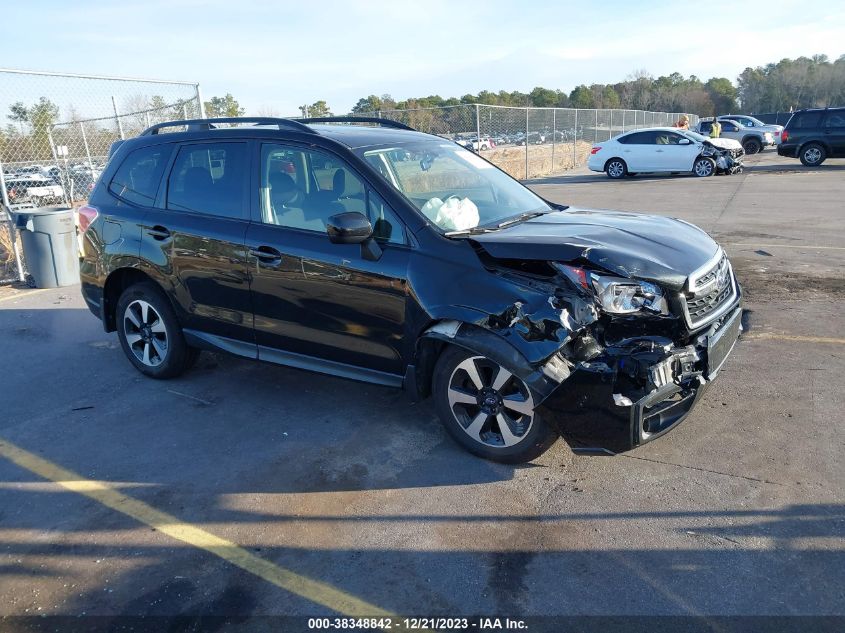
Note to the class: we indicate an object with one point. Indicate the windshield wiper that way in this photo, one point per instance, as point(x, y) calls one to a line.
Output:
point(473, 231)
point(521, 218)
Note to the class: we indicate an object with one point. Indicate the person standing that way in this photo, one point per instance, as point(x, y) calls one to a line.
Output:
point(683, 122)
point(715, 129)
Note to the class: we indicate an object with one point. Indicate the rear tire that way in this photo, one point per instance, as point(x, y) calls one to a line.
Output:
point(752, 146)
point(812, 155)
point(488, 410)
point(704, 167)
point(615, 168)
point(150, 334)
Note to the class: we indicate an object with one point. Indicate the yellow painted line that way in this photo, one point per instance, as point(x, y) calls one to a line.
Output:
point(807, 246)
point(772, 336)
point(25, 293)
point(104, 493)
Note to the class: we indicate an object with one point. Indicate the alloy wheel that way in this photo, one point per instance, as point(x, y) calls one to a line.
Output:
point(703, 168)
point(615, 169)
point(145, 333)
point(812, 155)
point(491, 405)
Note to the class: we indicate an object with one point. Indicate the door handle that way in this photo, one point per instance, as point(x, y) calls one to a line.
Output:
point(159, 233)
point(658, 150)
point(266, 254)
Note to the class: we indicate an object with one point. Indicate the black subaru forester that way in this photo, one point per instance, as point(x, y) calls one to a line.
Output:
point(364, 249)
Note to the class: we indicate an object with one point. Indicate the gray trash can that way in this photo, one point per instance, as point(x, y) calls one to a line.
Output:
point(48, 236)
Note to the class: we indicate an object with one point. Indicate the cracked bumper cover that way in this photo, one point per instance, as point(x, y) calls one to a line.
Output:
point(638, 391)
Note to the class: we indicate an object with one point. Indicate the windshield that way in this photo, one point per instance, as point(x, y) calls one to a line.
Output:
point(452, 186)
point(696, 136)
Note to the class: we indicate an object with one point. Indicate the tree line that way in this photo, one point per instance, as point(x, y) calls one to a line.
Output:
point(804, 82)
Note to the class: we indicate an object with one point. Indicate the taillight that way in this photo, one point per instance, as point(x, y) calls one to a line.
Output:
point(87, 215)
point(784, 136)
point(595, 150)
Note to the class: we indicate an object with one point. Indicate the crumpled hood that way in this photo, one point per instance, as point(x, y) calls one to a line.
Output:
point(725, 143)
point(654, 248)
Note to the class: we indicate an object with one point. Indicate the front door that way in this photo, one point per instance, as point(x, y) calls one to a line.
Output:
point(671, 154)
point(196, 237)
point(318, 304)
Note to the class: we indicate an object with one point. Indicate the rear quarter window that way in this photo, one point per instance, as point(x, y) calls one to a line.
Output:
point(803, 120)
point(138, 176)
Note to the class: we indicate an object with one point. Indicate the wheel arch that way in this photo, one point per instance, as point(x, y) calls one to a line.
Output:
point(119, 280)
point(815, 141)
point(619, 158)
point(444, 333)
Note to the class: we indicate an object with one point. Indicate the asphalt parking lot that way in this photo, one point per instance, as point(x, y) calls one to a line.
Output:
point(244, 489)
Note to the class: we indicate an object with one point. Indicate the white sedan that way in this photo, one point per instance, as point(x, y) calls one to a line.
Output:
point(665, 149)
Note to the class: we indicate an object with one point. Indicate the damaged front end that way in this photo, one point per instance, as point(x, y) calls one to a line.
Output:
point(728, 159)
point(615, 362)
point(641, 373)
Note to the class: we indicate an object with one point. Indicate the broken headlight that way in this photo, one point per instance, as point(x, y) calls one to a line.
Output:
point(617, 295)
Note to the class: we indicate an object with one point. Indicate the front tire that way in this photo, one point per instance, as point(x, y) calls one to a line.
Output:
point(704, 167)
point(813, 155)
point(150, 334)
point(488, 410)
point(616, 168)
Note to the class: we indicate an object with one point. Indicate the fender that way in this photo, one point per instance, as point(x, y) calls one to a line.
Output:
point(476, 339)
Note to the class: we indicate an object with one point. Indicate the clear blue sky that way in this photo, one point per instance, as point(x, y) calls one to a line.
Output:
point(277, 55)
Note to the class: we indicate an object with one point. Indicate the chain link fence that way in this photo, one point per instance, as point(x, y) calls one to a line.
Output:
point(530, 142)
point(56, 133)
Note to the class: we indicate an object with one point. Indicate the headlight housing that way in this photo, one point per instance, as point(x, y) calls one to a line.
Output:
point(618, 295)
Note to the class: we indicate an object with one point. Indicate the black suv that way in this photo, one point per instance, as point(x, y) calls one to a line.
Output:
point(308, 243)
point(814, 135)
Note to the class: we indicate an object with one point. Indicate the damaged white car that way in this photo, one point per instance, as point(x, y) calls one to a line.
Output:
point(666, 149)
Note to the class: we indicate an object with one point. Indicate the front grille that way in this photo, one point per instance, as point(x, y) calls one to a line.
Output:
point(710, 275)
point(700, 308)
point(709, 292)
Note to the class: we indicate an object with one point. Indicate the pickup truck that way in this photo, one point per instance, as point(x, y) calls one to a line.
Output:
point(753, 140)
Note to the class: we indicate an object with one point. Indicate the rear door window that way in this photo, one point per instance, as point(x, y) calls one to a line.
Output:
point(835, 119)
point(209, 178)
point(641, 138)
point(138, 177)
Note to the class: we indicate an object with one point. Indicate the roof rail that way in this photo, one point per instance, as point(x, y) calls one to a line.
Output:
point(208, 124)
point(356, 119)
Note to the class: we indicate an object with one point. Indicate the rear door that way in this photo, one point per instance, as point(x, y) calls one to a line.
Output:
point(640, 152)
point(319, 304)
point(194, 237)
point(833, 131)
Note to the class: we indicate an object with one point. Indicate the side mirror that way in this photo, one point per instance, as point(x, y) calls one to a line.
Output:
point(349, 228)
point(684, 141)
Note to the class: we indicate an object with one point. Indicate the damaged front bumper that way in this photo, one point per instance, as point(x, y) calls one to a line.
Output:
point(639, 390)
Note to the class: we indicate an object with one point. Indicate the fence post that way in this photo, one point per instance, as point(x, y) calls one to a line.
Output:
point(575, 142)
point(199, 101)
point(478, 126)
point(56, 160)
point(623, 121)
point(526, 143)
point(11, 222)
point(554, 134)
point(596, 131)
point(85, 143)
point(117, 119)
